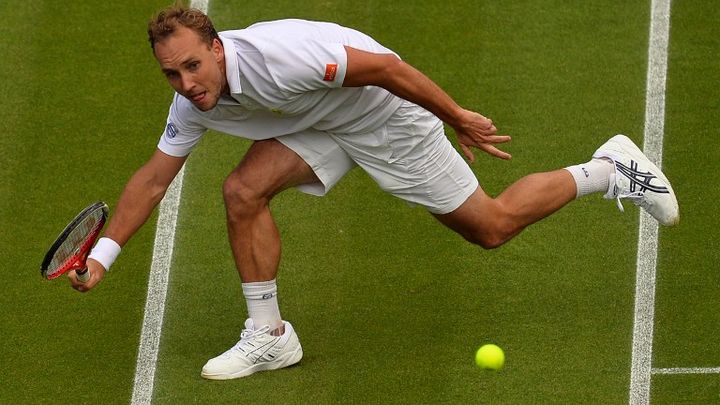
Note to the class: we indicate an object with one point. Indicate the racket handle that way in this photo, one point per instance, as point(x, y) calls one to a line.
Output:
point(83, 275)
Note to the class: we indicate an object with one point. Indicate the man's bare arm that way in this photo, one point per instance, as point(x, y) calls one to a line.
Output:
point(141, 195)
point(391, 73)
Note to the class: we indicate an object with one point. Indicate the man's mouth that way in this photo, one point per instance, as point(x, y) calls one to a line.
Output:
point(198, 97)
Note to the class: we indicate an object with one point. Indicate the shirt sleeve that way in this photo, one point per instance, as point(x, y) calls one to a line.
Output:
point(306, 65)
point(181, 132)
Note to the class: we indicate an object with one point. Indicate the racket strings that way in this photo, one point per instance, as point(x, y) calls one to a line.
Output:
point(74, 243)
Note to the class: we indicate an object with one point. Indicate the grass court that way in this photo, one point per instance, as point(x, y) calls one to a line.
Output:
point(389, 305)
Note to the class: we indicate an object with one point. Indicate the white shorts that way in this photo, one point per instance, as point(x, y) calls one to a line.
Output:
point(409, 157)
point(323, 155)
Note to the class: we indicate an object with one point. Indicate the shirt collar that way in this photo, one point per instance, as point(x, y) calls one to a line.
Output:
point(232, 72)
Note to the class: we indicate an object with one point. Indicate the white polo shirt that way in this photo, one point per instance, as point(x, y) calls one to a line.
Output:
point(284, 77)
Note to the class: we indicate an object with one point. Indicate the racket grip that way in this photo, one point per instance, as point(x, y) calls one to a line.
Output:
point(83, 275)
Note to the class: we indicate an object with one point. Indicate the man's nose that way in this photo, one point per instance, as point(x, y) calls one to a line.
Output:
point(186, 82)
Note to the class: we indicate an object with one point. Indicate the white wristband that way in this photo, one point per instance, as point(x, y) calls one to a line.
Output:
point(105, 252)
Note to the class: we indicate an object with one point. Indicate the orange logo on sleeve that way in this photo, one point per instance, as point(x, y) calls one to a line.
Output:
point(330, 72)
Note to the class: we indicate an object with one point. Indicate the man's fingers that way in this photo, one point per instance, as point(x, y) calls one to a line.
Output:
point(490, 149)
point(500, 138)
point(467, 152)
point(494, 139)
point(75, 283)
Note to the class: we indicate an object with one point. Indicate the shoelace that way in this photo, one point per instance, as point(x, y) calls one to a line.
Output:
point(246, 337)
point(636, 197)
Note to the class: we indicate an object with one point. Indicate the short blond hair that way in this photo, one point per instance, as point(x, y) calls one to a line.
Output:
point(164, 24)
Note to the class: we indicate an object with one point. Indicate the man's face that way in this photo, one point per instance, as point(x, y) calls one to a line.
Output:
point(194, 69)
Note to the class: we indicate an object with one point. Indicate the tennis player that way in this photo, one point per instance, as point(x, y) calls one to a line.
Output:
point(319, 99)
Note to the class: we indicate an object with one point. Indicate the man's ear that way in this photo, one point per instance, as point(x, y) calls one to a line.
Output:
point(217, 49)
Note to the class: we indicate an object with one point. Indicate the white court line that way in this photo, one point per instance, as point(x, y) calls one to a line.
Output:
point(201, 5)
point(641, 369)
point(157, 292)
point(158, 282)
point(688, 370)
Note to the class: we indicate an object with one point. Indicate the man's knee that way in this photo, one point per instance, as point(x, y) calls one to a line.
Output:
point(496, 232)
point(267, 168)
point(481, 221)
point(241, 197)
point(488, 240)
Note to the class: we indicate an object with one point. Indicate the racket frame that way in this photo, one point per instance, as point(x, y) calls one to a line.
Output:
point(78, 260)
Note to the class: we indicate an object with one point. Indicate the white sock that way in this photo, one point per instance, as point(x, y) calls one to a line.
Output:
point(593, 176)
point(262, 304)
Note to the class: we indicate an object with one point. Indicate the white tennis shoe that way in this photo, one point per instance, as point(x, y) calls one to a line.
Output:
point(256, 351)
point(637, 179)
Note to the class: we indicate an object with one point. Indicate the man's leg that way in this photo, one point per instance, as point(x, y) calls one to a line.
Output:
point(618, 168)
point(267, 168)
point(310, 161)
point(490, 222)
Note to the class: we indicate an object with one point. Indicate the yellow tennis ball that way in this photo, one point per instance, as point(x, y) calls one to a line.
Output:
point(490, 357)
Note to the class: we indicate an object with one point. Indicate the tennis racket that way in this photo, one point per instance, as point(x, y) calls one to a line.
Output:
point(72, 247)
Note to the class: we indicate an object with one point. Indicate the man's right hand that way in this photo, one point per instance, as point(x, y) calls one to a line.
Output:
point(96, 271)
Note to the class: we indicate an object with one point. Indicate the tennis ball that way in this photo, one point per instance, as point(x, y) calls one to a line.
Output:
point(490, 357)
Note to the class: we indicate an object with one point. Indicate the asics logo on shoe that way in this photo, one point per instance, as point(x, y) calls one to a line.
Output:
point(638, 179)
point(265, 351)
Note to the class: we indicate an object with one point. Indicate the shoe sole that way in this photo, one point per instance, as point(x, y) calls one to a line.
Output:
point(626, 145)
point(285, 360)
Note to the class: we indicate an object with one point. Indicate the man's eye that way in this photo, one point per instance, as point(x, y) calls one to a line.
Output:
point(194, 66)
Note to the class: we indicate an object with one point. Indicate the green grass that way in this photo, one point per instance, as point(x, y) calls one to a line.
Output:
point(80, 112)
point(688, 288)
point(389, 305)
